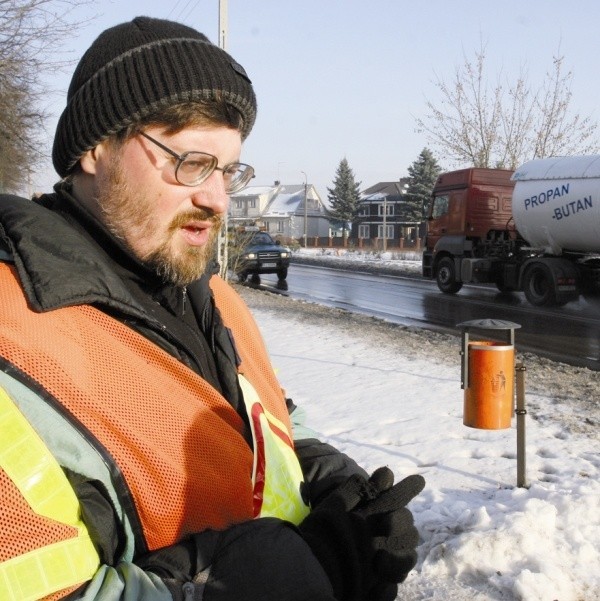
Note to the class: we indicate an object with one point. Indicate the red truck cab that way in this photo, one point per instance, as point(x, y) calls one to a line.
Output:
point(470, 202)
point(469, 208)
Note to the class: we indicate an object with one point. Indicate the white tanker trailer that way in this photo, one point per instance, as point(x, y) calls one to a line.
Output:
point(556, 203)
point(536, 229)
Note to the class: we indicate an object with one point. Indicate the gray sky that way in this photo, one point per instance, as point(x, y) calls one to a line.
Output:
point(348, 78)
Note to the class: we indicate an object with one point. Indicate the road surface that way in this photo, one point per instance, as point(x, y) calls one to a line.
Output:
point(570, 334)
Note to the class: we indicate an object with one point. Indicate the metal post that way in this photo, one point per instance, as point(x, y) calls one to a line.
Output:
point(384, 223)
point(305, 209)
point(464, 354)
point(521, 413)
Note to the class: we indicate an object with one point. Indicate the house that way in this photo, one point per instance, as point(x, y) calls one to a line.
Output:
point(287, 212)
point(383, 218)
point(247, 207)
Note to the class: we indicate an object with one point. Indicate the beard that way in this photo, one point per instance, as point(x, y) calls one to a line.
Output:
point(129, 216)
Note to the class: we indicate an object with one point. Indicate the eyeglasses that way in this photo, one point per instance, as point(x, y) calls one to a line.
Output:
point(193, 167)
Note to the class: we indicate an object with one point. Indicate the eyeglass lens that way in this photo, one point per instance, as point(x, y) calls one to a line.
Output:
point(197, 166)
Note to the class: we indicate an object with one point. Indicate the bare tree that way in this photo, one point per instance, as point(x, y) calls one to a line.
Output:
point(31, 35)
point(505, 125)
point(557, 133)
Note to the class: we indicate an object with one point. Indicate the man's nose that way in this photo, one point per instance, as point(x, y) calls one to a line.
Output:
point(211, 194)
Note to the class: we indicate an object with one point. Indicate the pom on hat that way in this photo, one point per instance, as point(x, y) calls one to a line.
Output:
point(137, 69)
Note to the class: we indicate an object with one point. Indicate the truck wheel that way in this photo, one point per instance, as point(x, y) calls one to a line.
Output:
point(446, 276)
point(539, 286)
point(242, 276)
point(282, 273)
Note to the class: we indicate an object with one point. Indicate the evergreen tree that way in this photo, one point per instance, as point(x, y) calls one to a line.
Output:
point(344, 195)
point(423, 174)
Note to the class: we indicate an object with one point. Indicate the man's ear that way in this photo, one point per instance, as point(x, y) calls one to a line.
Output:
point(89, 160)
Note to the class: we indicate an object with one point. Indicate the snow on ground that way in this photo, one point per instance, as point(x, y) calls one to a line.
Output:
point(405, 261)
point(390, 395)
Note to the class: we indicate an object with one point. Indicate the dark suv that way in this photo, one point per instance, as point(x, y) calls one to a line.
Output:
point(262, 254)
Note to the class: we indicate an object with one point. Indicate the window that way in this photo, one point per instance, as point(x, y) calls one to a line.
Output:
point(389, 209)
point(389, 229)
point(252, 203)
point(440, 206)
point(239, 203)
point(363, 231)
point(281, 226)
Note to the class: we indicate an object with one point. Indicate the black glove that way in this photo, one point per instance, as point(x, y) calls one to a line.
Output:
point(364, 536)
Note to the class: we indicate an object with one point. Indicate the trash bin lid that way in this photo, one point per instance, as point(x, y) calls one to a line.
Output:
point(489, 324)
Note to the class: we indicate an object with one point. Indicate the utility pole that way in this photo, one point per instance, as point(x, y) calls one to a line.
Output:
point(305, 209)
point(223, 24)
point(222, 242)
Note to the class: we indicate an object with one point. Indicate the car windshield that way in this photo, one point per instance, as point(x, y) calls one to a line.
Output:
point(262, 239)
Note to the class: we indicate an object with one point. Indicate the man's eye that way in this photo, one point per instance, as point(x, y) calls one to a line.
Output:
point(231, 172)
point(195, 164)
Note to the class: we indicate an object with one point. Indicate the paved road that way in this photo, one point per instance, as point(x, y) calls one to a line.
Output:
point(570, 334)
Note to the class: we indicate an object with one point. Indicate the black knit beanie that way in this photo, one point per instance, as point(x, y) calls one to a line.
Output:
point(137, 69)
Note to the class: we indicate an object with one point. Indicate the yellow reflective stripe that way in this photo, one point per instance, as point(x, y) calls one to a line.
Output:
point(282, 477)
point(40, 479)
point(49, 569)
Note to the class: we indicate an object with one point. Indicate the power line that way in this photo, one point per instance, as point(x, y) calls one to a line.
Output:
point(180, 13)
point(192, 9)
point(173, 8)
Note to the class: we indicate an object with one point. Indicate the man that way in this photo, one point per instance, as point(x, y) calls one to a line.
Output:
point(146, 448)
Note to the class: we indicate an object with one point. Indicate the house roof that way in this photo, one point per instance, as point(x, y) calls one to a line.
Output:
point(387, 188)
point(289, 200)
point(373, 196)
point(283, 199)
point(255, 191)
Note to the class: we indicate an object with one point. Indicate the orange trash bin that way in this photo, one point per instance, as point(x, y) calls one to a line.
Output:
point(489, 394)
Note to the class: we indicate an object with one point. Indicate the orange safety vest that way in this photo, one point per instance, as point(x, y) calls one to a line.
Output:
point(176, 441)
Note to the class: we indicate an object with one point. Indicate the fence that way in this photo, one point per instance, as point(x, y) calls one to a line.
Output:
point(361, 243)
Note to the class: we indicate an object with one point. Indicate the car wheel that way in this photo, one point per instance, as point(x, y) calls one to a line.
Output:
point(282, 273)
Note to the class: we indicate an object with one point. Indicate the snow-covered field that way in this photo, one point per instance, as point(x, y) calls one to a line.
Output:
point(390, 395)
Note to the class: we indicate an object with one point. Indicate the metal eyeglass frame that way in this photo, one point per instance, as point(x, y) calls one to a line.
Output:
point(235, 185)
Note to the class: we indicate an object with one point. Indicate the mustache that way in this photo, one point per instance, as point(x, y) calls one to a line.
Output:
point(196, 215)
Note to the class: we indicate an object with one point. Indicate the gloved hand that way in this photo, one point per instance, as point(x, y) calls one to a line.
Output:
point(185, 566)
point(264, 558)
point(364, 536)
